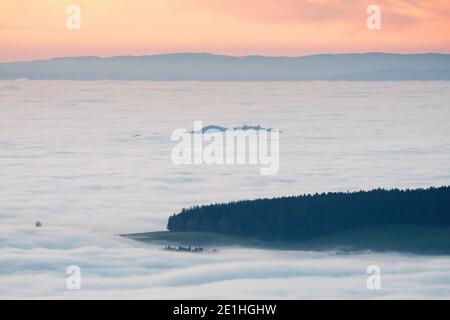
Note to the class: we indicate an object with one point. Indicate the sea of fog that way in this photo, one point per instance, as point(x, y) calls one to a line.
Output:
point(92, 159)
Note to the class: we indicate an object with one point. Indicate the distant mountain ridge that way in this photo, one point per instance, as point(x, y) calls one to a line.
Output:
point(209, 67)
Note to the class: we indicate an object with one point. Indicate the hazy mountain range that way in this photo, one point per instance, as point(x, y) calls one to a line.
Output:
point(208, 67)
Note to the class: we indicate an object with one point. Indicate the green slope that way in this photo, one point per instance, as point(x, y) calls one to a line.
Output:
point(398, 238)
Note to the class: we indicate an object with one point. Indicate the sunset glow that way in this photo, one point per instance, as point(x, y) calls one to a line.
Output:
point(36, 29)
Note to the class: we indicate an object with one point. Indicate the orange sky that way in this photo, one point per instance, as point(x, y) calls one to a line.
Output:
point(35, 29)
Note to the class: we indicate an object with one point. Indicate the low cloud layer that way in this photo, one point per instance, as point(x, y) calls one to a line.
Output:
point(97, 155)
point(92, 159)
point(33, 264)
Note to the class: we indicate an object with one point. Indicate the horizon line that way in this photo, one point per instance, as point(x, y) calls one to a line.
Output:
point(224, 55)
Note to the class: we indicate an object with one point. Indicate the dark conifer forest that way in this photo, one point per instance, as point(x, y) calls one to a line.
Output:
point(302, 217)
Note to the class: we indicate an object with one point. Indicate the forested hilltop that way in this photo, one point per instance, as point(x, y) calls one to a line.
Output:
point(298, 218)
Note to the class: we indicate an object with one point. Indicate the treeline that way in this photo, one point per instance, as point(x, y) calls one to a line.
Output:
point(306, 216)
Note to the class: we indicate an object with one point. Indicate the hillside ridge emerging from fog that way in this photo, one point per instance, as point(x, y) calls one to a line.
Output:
point(299, 218)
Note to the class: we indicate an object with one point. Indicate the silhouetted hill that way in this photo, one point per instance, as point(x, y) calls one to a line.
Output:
point(208, 67)
point(300, 218)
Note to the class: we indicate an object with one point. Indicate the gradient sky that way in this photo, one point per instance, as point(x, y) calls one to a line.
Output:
point(36, 29)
